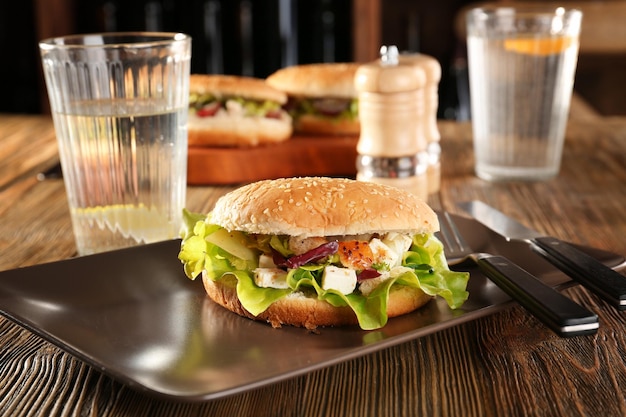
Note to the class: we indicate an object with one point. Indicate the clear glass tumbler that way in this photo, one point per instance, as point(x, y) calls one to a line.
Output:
point(522, 63)
point(119, 104)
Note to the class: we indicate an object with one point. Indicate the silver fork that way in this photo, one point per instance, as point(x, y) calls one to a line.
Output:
point(559, 313)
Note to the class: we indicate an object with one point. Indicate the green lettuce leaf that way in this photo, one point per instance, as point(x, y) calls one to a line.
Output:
point(253, 298)
point(426, 257)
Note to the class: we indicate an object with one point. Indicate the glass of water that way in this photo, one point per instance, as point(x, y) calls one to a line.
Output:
point(119, 104)
point(522, 63)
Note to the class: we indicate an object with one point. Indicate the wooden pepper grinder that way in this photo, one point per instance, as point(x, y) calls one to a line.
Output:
point(392, 148)
point(432, 69)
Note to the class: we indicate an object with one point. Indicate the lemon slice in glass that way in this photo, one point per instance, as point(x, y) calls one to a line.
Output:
point(137, 222)
point(539, 46)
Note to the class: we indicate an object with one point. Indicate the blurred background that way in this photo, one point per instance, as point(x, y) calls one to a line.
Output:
point(256, 37)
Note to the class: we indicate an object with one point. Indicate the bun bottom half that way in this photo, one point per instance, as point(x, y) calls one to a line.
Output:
point(302, 311)
point(314, 125)
point(237, 131)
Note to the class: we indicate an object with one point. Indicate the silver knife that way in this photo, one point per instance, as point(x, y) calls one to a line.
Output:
point(583, 268)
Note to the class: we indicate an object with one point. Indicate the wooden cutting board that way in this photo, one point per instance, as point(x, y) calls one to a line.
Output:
point(299, 156)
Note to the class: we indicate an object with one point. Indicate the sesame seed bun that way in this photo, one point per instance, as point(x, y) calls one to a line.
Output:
point(334, 80)
point(320, 206)
point(235, 131)
point(237, 86)
point(324, 126)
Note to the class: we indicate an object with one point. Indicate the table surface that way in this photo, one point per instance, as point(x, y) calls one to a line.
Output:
point(504, 364)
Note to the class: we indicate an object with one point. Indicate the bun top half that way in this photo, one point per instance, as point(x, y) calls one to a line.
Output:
point(234, 86)
point(335, 80)
point(321, 206)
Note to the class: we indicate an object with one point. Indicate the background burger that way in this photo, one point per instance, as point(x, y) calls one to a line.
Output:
point(322, 97)
point(227, 110)
point(320, 252)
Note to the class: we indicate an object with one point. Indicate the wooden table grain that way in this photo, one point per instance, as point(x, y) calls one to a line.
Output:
point(506, 364)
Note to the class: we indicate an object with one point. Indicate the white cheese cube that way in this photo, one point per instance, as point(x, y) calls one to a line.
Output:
point(339, 279)
point(383, 253)
point(397, 243)
point(270, 278)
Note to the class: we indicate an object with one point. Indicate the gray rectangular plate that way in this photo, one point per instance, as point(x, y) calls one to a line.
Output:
point(133, 315)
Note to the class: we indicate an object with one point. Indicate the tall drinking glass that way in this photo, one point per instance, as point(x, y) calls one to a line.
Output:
point(119, 104)
point(522, 63)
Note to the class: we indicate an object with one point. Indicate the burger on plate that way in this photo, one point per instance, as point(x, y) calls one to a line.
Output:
point(234, 111)
point(319, 251)
point(322, 97)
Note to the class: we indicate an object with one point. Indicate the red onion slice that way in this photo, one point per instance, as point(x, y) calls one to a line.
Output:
point(313, 255)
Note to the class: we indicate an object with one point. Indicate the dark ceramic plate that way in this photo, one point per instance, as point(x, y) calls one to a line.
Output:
point(133, 315)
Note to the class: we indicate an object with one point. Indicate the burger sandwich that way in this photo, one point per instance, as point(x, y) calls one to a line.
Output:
point(322, 97)
point(234, 111)
point(317, 251)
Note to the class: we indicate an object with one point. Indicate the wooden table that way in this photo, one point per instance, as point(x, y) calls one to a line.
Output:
point(504, 364)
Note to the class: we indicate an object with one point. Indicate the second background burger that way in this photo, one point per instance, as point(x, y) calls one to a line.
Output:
point(322, 99)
